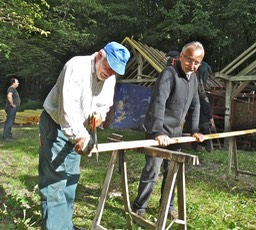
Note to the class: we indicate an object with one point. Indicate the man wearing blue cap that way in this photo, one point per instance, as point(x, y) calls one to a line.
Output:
point(84, 87)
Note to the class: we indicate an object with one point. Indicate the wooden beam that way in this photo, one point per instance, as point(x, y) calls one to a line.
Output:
point(171, 155)
point(135, 80)
point(239, 89)
point(222, 76)
point(122, 145)
point(244, 75)
point(136, 45)
point(243, 78)
point(240, 59)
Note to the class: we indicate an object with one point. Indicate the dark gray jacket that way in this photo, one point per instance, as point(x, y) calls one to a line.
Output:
point(172, 99)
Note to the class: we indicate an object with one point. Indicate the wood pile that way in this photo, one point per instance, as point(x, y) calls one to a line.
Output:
point(23, 117)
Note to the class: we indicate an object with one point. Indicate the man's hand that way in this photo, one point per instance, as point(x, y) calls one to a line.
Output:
point(199, 137)
point(212, 123)
point(79, 146)
point(163, 140)
point(83, 145)
point(10, 99)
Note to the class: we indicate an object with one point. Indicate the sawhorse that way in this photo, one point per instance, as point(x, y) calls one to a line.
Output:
point(233, 153)
point(176, 172)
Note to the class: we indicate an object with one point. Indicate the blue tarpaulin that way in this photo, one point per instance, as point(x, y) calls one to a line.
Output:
point(130, 105)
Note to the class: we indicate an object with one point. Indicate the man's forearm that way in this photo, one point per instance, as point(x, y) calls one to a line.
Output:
point(10, 99)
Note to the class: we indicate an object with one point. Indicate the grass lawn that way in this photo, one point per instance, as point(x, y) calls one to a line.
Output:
point(214, 200)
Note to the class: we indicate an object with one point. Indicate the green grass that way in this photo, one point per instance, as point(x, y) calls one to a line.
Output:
point(214, 200)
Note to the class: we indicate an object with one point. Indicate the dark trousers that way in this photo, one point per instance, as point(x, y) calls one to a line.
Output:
point(10, 117)
point(204, 128)
point(59, 172)
point(149, 177)
point(148, 180)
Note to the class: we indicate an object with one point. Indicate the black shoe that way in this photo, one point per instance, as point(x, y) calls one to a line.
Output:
point(208, 150)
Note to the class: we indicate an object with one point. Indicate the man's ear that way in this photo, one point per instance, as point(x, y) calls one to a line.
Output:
point(99, 55)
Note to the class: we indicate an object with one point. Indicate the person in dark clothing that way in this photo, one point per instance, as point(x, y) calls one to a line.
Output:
point(204, 71)
point(205, 121)
point(12, 103)
point(172, 56)
point(175, 94)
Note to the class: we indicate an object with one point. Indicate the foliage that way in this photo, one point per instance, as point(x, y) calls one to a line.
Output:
point(31, 105)
point(39, 36)
point(22, 14)
point(214, 200)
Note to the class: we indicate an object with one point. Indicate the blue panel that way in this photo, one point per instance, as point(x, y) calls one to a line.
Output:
point(130, 105)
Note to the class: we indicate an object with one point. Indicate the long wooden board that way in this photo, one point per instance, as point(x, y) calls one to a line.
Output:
point(122, 145)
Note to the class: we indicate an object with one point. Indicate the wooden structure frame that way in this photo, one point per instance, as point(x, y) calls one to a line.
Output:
point(235, 82)
point(146, 63)
point(240, 80)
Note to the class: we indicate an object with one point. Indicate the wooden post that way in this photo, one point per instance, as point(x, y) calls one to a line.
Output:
point(235, 158)
point(230, 154)
point(227, 108)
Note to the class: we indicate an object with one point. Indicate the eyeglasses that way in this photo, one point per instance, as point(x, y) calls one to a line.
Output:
point(190, 60)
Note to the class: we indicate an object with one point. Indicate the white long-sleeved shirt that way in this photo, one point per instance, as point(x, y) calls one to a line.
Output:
point(77, 94)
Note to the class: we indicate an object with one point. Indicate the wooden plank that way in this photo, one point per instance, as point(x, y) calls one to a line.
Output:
point(171, 155)
point(136, 80)
point(122, 145)
point(242, 57)
point(147, 224)
point(244, 78)
point(246, 173)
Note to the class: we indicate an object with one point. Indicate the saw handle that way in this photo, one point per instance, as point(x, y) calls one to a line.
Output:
point(96, 120)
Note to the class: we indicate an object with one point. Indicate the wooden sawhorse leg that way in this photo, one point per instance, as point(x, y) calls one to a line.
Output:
point(96, 222)
point(176, 171)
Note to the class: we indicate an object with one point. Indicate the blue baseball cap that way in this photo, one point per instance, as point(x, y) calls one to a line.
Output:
point(117, 56)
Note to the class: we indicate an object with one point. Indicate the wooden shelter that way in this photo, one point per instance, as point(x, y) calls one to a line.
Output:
point(240, 86)
point(142, 70)
point(231, 91)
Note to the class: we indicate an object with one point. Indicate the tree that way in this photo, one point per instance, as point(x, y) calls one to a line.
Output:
point(19, 14)
point(39, 36)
